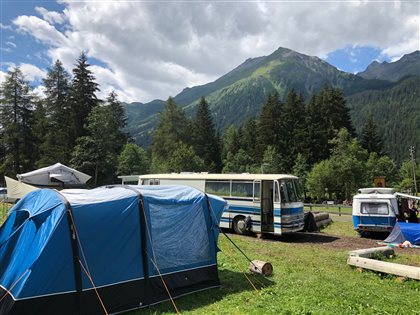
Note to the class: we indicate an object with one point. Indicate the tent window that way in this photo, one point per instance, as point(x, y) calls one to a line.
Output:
point(380, 208)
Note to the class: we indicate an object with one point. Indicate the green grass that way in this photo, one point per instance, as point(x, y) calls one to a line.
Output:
point(308, 279)
point(339, 228)
point(4, 209)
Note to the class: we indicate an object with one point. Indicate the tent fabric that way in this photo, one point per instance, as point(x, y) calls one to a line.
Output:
point(124, 235)
point(17, 190)
point(45, 176)
point(405, 232)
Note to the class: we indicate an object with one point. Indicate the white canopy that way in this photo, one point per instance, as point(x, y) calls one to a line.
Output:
point(17, 190)
point(49, 175)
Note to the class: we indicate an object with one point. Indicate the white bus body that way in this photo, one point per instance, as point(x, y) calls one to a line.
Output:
point(260, 203)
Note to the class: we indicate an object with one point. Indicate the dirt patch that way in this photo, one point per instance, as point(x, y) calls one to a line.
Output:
point(325, 240)
point(333, 241)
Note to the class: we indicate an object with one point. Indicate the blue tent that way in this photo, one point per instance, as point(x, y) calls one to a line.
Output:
point(59, 251)
point(405, 232)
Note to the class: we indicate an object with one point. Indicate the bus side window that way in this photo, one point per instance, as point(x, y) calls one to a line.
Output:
point(151, 181)
point(257, 191)
point(218, 187)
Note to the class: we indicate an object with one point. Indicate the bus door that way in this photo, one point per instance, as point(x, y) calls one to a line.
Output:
point(267, 206)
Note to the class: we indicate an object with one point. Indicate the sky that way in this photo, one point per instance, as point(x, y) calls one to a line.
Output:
point(147, 50)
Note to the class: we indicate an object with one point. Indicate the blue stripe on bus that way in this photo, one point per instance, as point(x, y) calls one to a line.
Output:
point(276, 225)
point(243, 209)
point(277, 212)
point(288, 211)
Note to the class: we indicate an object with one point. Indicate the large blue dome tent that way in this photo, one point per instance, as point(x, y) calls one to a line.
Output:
point(105, 249)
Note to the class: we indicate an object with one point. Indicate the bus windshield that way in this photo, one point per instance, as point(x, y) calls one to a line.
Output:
point(290, 190)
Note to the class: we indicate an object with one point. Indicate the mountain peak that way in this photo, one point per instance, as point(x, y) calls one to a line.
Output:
point(409, 64)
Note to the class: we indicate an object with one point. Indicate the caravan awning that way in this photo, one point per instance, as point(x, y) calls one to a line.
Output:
point(58, 171)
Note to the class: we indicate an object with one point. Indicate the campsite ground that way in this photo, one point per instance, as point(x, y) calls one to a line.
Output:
point(311, 276)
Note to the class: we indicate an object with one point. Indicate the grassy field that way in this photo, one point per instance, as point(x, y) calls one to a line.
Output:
point(4, 208)
point(309, 278)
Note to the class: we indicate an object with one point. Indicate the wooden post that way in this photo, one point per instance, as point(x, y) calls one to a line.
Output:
point(261, 267)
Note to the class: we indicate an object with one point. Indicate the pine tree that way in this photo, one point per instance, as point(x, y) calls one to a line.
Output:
point(334, 108)
point(205, 140)
point(370, 139)
point(248, 141)
point(294, 132)
point(97, 153)
point(269, 123)
point(82, 97)
point(318, 147)
point(327, 114)
point(55, 146)
point(173, 127)
point(119, 119)
point(230, 142)
point(16, 121)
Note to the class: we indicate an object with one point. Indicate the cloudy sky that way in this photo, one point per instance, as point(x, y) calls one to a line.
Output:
point(152, 49)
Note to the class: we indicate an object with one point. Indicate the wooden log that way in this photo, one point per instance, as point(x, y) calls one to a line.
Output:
point(323, 223)
point(369, 252)
point(321, 216)
point(261, 267)
point(385, 267)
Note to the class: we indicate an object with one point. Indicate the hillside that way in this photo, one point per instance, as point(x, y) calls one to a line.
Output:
point(396, 111)
point(408, 65)
point(240, 93)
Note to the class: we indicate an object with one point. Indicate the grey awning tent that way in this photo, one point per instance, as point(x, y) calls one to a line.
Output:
point(51, 175)
point(56, 176)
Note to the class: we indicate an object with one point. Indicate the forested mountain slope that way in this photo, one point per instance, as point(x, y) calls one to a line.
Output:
point(240, 94)
point(396, 111)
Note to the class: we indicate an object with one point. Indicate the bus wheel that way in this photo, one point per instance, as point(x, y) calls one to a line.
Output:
point(240, 225)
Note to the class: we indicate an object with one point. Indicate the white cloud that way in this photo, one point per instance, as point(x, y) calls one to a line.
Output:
point(40, 29)
point(51, 17)
point(39, 91)
point(153, 50)
point(31, 72)
point(11, 44)
point(2, 76)
point(5, 27)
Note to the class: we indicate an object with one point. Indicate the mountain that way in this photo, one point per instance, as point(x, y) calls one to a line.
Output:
point(408, 65)
point(386, 90)
point(240, 94)
point(396, 111)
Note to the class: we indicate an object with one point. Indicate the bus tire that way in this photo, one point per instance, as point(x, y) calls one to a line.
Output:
point(239, 225)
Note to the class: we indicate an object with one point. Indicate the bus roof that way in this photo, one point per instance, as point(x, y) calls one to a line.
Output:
point(244, 176)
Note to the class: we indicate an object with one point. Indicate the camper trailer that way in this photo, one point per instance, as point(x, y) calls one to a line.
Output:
point(378, 209)
point(374, 210)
